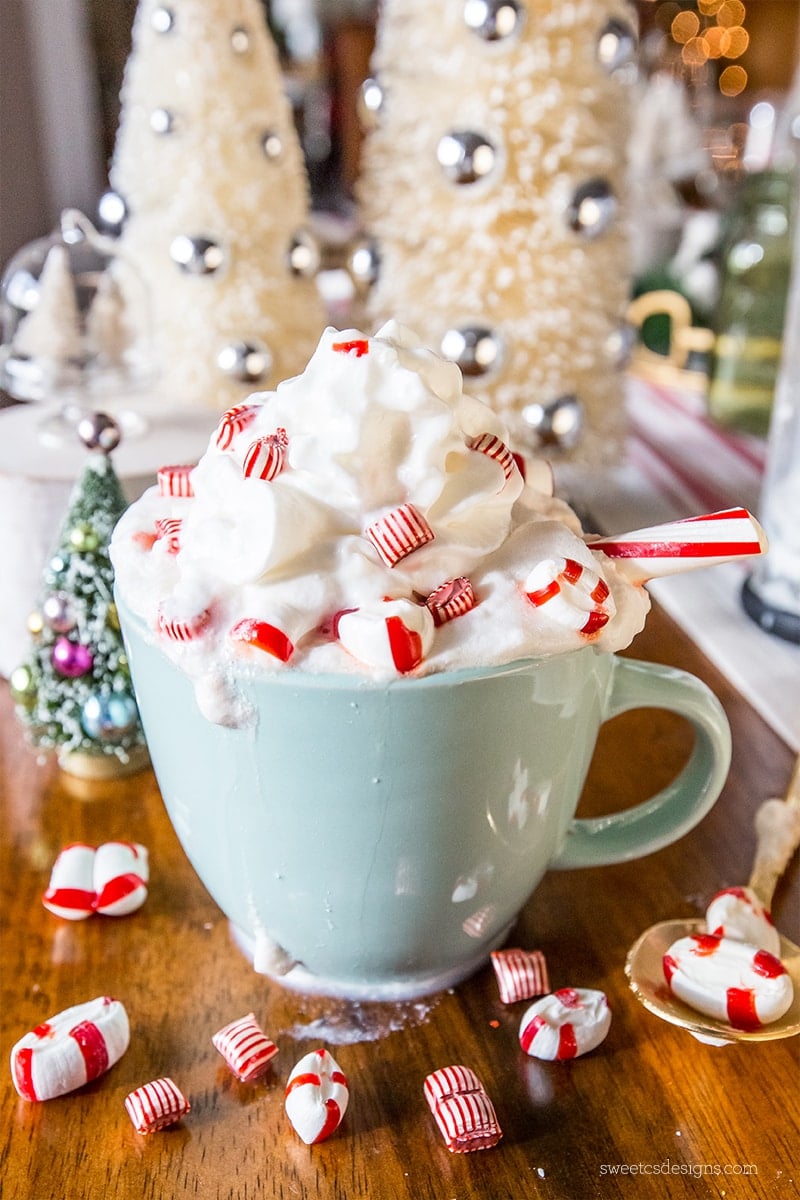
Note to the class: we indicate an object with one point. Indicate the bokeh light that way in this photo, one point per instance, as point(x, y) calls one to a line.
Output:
point(733, 81)
point(685, 26)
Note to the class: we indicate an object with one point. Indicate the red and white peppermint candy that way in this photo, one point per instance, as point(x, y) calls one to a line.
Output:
point(390, 635)
point(168, 529)
point(399, 533)
point(180, 627)
point(233, 422)
point(493, 447)
point(253, 634)
point(266, 457)
point(245, 1047)
point(156, 1105)
point(121, 875)
point(570, 594)
point(71, 892)
point(70, 1049)
point(462, 1110)
point(565, 1024)
point(451, 600)
point(316, 1096)
point(521, 974)
point(728, 980)
point(738, 913)
point(683, 545)
point(175, 481)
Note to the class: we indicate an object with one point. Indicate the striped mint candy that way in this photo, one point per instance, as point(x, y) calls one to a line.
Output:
point(266, 457)
point(731, 981)
point(70, 1049)
point(183, 628)
point(451, 600)
point(121, 875)
point(245, 1047)
point(677, 546)
point(175, 481)
point(316, 1096)
point(398, 533)
point(565, 1024)
point(232, 423)
point(571, 594)
point(71, 892)
point(493, 447)
point(156, 1105)
point(250, 633)
point(462, 1110)
point(169, 529)
point(521, 974)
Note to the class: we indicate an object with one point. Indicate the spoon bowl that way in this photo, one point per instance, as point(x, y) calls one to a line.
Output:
point(646, 977)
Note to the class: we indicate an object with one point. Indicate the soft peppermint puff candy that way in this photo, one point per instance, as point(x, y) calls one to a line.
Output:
point(389, 635)
point(738, 913)
point(728, 980)
point(565, 1024)
point(70, 1049)
point(316, 1097)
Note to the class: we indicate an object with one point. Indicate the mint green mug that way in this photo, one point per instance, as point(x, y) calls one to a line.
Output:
point(378, 840)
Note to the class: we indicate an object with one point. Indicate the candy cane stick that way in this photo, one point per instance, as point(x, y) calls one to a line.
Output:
point(683, 545)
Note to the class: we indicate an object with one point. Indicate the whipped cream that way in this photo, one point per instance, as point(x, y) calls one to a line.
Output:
point(366, 517)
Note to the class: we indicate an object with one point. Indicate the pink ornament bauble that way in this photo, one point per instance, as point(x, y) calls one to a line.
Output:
point(71, 658)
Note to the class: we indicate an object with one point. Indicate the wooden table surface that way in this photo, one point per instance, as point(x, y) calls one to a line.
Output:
point(652, 1112)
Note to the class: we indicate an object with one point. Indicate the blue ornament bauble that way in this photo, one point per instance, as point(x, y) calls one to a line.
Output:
point(107, 717)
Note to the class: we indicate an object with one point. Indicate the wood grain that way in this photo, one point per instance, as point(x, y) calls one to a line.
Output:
point(690, 1119)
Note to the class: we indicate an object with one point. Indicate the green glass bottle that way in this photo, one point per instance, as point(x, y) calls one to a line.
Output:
point(749, 321)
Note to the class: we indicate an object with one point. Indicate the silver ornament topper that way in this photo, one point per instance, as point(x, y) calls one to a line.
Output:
point(558, 423)
point(619, 344)
point(494, 20)
point(196, 255)
point(466, 156)
point(249, 362)
point(112, 212)
point(616, 46)
point(476, 349)
point(98, 431)
point(304, 255)
point(592, 208)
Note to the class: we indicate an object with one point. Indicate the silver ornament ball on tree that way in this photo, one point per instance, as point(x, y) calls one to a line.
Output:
point(363, 264)
point(196, 254)
point(369, 103)
point(162, 19)
point(271, 145)
point(476, 349)
point(249, 362)
point(304, 255)
point(494, 20)
point(240, 40)
point(98, 431)
point(557, 424)
point(106, 717)
point(162, 121)
point(617, 46)
point(592, 209)
point(58, 613)
point(466, 156)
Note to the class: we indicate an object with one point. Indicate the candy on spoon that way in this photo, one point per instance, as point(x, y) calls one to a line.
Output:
point(683, 545)
point(728, 980)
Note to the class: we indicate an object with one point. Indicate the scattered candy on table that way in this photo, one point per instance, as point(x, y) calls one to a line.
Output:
point(245, 1047)
point(70, 1049)
point(462, 1110)
point(156, 1105)
point(316, 1096)
point(110, 879)
point(521, 974)
point(728, 980)
point(565, 1024)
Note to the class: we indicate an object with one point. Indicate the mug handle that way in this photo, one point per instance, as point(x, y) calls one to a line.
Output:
point(672, 812)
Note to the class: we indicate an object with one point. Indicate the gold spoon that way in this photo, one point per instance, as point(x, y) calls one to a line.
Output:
point(777, 826)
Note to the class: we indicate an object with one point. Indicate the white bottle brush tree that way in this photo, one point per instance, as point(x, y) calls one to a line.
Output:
point(209, 166)
point(492, 199)
point(73, 692)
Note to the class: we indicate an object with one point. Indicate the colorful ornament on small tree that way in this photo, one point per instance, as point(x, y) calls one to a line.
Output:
point(73, 692)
